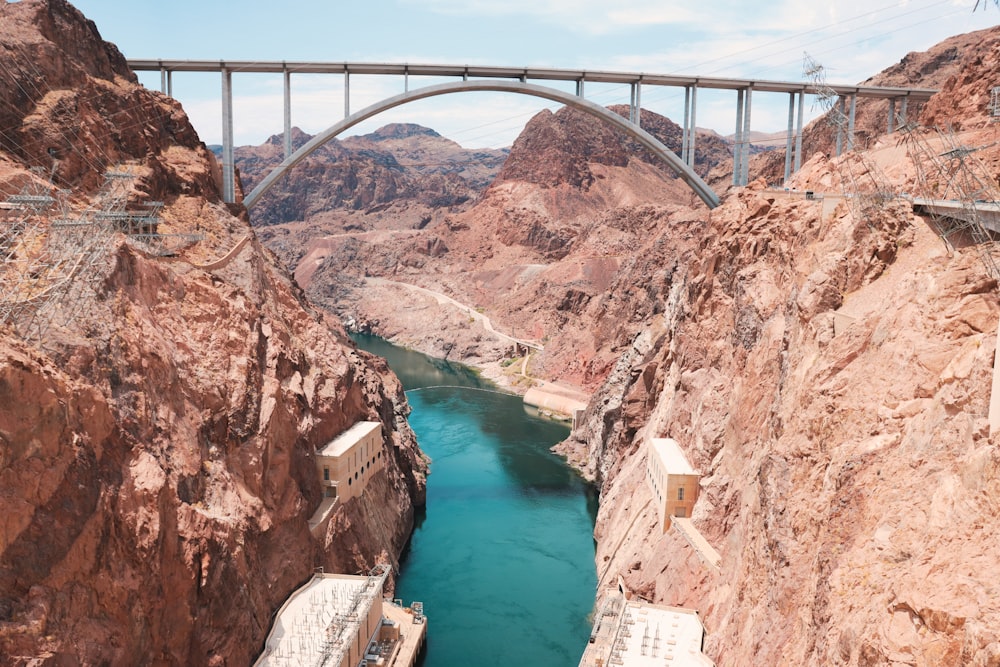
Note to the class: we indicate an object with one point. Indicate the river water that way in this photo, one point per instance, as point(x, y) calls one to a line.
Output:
point(503, 558)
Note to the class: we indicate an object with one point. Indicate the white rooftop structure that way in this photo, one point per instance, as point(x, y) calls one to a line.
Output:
point(348, 438)
point(659, 635)
point(672, 456)
point(320, 622)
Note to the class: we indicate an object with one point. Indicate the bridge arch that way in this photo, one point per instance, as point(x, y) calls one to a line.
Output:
point(645, 138)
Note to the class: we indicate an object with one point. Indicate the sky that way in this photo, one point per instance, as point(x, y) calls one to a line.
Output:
point(852, 39)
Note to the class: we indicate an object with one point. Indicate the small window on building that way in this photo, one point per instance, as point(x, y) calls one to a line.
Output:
point(326, 474)
point(349, 481)
point(680, 493)
point(355, 475)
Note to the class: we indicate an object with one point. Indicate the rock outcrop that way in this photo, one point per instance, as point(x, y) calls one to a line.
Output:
point(156, 450)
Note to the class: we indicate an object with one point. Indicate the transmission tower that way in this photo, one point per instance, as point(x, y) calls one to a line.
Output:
point(950, 173)
point(863, 183)
point(51, 259)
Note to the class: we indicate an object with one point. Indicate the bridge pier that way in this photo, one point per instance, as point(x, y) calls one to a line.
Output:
point(789, 137)
point(347, 93)
point(793, 154)
point(850, 123)
point(892, 116)
point(228, 168)
point(166, 82)
point(798, 133)
point(741, 142)
point(579, 87)
point(840, 126)
point(635, 103)
point(288, 111)
point(688, 131)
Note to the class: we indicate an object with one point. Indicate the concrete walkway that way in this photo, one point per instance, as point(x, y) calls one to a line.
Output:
point(706, 552)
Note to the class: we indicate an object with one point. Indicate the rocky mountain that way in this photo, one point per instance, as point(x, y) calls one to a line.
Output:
point(400, 175)
point(156, 444)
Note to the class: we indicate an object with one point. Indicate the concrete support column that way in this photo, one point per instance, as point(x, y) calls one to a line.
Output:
point(406, 79)
point(902, 110)
point(288, 111)
point(170, 83)
point(798, 133)
point(693, 124)
point(638, 105)
point(745, 163)
point(890, 128)
point(163, 79)
point(687, 123)
point(347, 93)
point(738, 139)
point(850, 123)
point(788, 137)
point(579, 87)
point(228, 169)
point(840, 126)
point(631, 103)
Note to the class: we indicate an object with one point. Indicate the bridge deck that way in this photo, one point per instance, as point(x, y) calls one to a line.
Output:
point(521, 73)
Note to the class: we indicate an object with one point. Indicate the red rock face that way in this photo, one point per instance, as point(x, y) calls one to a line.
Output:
point(831, 379)
point(156, 452)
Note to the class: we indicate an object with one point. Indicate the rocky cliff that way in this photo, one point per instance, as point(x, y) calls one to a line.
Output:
point(540, 253)
point(156, 450)
point(830, 376)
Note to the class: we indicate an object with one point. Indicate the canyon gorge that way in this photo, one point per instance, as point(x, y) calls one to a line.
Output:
point(828, 373)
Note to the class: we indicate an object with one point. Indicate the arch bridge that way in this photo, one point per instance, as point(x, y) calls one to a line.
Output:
point(516, 80)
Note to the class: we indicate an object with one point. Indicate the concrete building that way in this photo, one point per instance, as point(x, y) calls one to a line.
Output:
point(348, 461)
point(671, 478)
point(338, 620)
point(640, 634)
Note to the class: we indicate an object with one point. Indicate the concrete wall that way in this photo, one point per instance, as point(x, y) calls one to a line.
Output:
point(345, 467)
point(673, 494)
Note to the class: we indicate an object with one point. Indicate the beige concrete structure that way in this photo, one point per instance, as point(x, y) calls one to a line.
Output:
point(706, 552)
point(338, 620)
point(639, 634)
point(348, 461)
point(672, 480)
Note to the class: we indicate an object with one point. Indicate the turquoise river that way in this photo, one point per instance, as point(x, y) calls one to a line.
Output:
point(503, 557)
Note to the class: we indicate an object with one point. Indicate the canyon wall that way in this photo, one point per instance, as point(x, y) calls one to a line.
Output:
point(156, 451)
point(830, 377)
